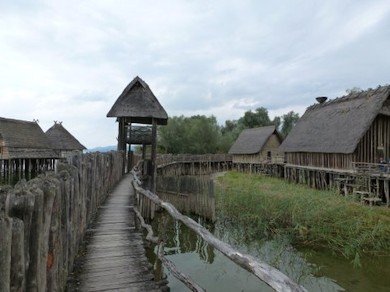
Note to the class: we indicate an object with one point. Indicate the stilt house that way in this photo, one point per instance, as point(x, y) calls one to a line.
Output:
point(334, 134)
point(138, 105)
point(63, 142)
point(257, 146)
point(24, 149)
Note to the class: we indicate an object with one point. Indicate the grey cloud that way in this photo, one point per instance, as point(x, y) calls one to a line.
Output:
point(217, 56)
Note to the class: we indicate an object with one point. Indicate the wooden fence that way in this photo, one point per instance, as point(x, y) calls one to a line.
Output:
point(189, 194)
point(42, 221)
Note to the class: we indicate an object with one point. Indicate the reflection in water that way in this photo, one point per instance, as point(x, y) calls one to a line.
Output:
point(214, 272)
point(179, 239)
point(315, 270)
point(201, 262)
point(189, 194)
point(279, 253)
point(372, 276)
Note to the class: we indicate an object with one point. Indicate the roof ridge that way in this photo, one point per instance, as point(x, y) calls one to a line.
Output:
point(16, 120)
point(350, 96)
point(260, 127)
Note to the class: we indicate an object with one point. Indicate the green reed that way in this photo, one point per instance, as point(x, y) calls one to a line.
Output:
point(266, 207)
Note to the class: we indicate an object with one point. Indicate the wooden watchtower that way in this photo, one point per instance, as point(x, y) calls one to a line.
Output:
point(138, 105)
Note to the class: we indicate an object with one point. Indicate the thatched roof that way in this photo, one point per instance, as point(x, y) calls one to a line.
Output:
point(252, 141)
point(23, 139)
point(338, 125)
point(138, 103)
point(61, 139)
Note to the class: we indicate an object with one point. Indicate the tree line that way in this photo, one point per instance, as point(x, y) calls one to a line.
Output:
point(200, 134)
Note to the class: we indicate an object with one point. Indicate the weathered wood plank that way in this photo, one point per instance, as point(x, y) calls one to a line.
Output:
point(5, 253)
point(115, 258)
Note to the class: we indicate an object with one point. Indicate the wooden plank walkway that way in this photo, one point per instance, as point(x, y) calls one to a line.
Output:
point(115, 256)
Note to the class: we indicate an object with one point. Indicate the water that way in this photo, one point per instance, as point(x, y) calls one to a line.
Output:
point(315, 270)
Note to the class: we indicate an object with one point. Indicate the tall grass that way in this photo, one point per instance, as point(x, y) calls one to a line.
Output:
point(267, 206)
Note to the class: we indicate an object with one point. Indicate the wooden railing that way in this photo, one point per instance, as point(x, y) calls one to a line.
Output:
point(270, 275)
point(371, 168)
point(169, 158)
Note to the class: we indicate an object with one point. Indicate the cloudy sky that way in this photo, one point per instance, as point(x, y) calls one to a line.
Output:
point(70, 60)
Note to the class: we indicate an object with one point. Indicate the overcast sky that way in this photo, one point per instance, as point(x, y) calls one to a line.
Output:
point(70, 60)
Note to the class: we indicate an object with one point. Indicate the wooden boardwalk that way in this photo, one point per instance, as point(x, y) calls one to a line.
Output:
point(115, 256)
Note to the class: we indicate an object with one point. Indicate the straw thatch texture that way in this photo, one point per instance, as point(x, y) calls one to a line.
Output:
point(338, 125)
point(61, 140)
point(252, 141)
point(138, 103)
point(22, 139)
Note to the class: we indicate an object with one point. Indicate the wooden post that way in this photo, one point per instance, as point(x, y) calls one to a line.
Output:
point(129, 153)
point(386, 191)
point(122, 139)
point(36, 242)
point(154, 155)
point(121, 136)
point(144, 168)
point(5, 253)
point(18, 267)
point(19, 165)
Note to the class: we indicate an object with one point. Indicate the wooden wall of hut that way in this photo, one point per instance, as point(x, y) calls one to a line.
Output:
point(271, 147)
point(42, 221)
point(376, 142)
point(321, 160)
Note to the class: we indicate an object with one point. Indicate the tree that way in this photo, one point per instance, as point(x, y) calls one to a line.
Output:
point(194, 135)
point(201, 135)
point(259, 118)
point(171, 136)
point(289, 121)
point(277, 121)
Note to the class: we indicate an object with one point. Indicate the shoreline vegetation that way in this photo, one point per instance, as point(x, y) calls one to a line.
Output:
point(267, 207)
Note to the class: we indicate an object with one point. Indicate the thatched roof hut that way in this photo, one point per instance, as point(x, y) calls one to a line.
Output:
point(138, 104)
point(257, 145)
point(61, 140)
point(23, 140)
point(335, 133)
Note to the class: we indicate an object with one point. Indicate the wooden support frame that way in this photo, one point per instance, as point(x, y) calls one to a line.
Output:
point(154, 155)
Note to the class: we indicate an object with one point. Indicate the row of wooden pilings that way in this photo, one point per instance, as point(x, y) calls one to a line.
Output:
point(42, 221)
point(326, 179)
point(13, 170)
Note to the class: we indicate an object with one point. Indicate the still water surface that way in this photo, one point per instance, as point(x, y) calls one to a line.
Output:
point(315, 270)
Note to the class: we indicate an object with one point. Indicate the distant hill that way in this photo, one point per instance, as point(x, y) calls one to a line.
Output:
point(102, 149)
